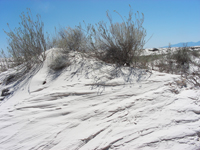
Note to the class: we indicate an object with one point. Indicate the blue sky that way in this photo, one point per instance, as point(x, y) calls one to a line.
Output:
point(169, 21)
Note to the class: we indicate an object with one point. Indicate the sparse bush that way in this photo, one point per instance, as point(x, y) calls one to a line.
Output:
point(175, 62)
point(27, 44)
point(182, 56)
point(148, 61)
point(71, 40)
point(59, 62)
point(194, 78)
point(119, 43)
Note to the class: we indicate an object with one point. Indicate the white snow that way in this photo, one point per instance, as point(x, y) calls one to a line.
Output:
point(92, 105)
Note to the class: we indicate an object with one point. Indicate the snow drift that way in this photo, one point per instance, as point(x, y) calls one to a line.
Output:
point(92, 105)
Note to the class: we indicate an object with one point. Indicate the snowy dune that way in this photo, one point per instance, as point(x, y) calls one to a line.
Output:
point(95, 106)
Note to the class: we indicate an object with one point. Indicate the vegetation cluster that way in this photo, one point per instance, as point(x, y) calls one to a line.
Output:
point(120, 44)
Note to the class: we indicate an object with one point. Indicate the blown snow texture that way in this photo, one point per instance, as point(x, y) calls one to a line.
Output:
point(92, 105)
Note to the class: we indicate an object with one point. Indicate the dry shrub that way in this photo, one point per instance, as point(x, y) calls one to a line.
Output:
point(182, 56)
point(119, 43)
point(27, 44)
point(194, 77)
point(177, 62)
point(71, 40)
point(60, 62)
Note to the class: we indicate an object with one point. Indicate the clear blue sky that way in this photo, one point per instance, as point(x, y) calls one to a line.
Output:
point(169, 21)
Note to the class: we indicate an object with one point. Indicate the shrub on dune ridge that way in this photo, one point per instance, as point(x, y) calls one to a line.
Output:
point(27, 44)
point(71, 39)
point(119, 43)
point(59, 62)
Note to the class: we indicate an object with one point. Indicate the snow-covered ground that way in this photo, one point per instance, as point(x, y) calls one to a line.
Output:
point(91, 105)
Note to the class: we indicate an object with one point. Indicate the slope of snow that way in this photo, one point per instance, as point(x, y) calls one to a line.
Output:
point(92, 105)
